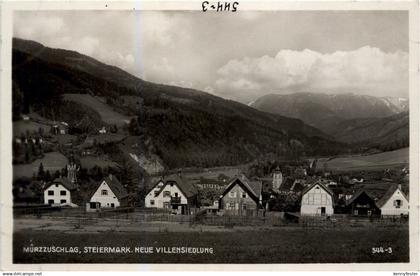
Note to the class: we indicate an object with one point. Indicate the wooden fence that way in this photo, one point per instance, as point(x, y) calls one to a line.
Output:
point(79, 217)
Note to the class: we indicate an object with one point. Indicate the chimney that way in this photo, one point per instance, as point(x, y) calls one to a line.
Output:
point(110, 176)
point(179, 173)
point(399, 187)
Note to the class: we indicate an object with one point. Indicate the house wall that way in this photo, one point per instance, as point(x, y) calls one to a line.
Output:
point(151, 196)
point(390, 210)
point(314, 200)
point(57, 188)
point(234, 200)
point(105, 200)
point(277, 180)
point(161, 199)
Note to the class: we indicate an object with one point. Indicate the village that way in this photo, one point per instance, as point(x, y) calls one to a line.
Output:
point(288, 191)
point(288, 141)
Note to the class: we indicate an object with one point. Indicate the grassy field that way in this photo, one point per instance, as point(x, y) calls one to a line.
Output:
point(52, 161)
point(88, 162)
point(274, 245)
point(20, 127)
point(369, 162)
point(108, 115)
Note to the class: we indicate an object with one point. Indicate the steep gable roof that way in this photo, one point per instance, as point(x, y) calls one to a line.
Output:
point(319, 183)
point(389, 193)
point(63, 181)
point(252, 187)
point(181, 182)
point(358, 194)
point(116, 187)
point(155, 181)
point(287, 184)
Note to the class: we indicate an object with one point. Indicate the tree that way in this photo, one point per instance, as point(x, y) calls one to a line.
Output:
point(41, 172)
point(47, 176)
point(127, 175)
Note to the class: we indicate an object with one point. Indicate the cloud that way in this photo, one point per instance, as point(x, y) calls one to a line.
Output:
point(86, 45)
point(365, 70)
point(39, 26)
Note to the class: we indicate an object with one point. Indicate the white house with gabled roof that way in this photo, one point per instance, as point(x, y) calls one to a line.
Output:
point(174, 193)
point(108, 194)
point(317, 200)
point(59, 192)
point(394, 202)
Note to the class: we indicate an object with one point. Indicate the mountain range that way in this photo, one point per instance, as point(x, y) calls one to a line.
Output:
point(356, 119)
point(184, 127)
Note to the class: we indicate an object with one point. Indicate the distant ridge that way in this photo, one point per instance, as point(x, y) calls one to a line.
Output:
point(184, 127)
point(347, 117)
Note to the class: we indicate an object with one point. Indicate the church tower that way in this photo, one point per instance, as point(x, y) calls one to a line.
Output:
point(277, 179)
point(72, 171)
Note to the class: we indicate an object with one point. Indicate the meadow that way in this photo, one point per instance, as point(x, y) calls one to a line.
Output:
point(52, 161)
point(367, 162)
point(108, 115)
point(292, 244)
point(22, 127)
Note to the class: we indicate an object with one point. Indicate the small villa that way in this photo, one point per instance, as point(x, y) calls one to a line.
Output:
point(59, 192)
point(317, 200)
point(108, 194)
point(394, 202)
point(174, 193)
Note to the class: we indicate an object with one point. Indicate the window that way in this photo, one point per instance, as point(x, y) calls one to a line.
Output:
point(244, 195)
point(63, 201)
point(166, 193)
point(50, 192)
point(397, 203)
point(63, 193)
point(243, 206)
point(152, 202)
point(166, 205)
point(51, 201)
point(232, 194)
point(112, 205)
point(156, 193)
point(104, 192)
point(92, 205)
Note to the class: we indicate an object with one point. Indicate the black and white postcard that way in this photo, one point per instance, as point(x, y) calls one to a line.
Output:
point(274, 134)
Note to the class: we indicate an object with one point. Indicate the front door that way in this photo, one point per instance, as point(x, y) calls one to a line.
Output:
point(322, 211)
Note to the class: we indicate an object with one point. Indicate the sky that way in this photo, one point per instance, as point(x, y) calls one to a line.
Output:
point(240, 56)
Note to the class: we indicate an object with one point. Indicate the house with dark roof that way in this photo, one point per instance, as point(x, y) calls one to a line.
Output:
point(60, 192)
point(394, 202)
point(362, 203)
point(109, 193)
point(317, 199)
point(241, 195)
point(174, 192)
point(293, 186)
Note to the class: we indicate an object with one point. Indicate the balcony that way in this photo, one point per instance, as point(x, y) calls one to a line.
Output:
point(175, 200)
